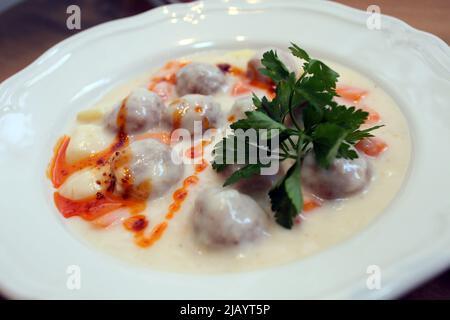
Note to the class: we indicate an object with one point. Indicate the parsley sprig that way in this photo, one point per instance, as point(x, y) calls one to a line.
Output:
point(324, 127)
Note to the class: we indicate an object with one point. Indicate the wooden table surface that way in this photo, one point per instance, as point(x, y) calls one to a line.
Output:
point(428, 15)
point(33, 26)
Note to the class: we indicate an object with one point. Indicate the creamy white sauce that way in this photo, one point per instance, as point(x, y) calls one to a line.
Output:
point(321, 228)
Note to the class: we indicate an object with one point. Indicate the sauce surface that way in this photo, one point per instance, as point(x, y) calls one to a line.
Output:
point(158, 233)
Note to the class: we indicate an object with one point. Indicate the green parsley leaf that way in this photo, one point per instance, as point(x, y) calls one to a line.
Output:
point(299, 52)
point(357, 135)
point(244, 173)
point(317, 84)
point(274, 68)
point(327, 140)
point(257, 120)
point(346, 117)
point(328, 129)
point(312, 116)
point(346, 151)
point(286, 197)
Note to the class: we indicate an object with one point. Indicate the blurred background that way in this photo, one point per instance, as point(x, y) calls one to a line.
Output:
point(29, 27)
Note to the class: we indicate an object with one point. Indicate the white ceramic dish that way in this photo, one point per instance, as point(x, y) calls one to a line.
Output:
point(409, 242)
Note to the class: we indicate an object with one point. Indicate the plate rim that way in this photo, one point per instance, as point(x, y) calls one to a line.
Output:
point(102, 27)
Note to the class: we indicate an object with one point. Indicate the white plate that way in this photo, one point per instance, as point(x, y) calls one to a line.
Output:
point(409, 242)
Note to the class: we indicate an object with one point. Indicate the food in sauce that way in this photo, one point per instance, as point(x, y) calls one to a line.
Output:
point(342, 179)
point(240, 107)
point(201, 78)
point(254, 65)
point(145, 169)
point(118, 184)
point(226, 217)
point(185, 111)
point(143, 109)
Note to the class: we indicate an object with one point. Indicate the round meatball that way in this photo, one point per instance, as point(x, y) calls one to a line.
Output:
point(342, 179)
point(191, 110)
point(143, 111)
point(254, 64)
point(146, 169)
point(240, 107)
point(199, 78)
point(226, 217)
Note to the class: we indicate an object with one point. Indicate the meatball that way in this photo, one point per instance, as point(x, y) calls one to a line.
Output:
point(145, 169)
point(226, 217)
point(240, 107)
point(143, 111)
point(199, 78)
point(342, 179)
point(185, 111)
point(254, 64)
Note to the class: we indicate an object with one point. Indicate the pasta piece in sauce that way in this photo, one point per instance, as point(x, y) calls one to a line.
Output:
point(86, 140)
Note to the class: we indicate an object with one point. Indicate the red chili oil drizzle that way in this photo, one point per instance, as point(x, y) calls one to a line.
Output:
point(103, 202)
point(178, 197)
point(245, 82)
